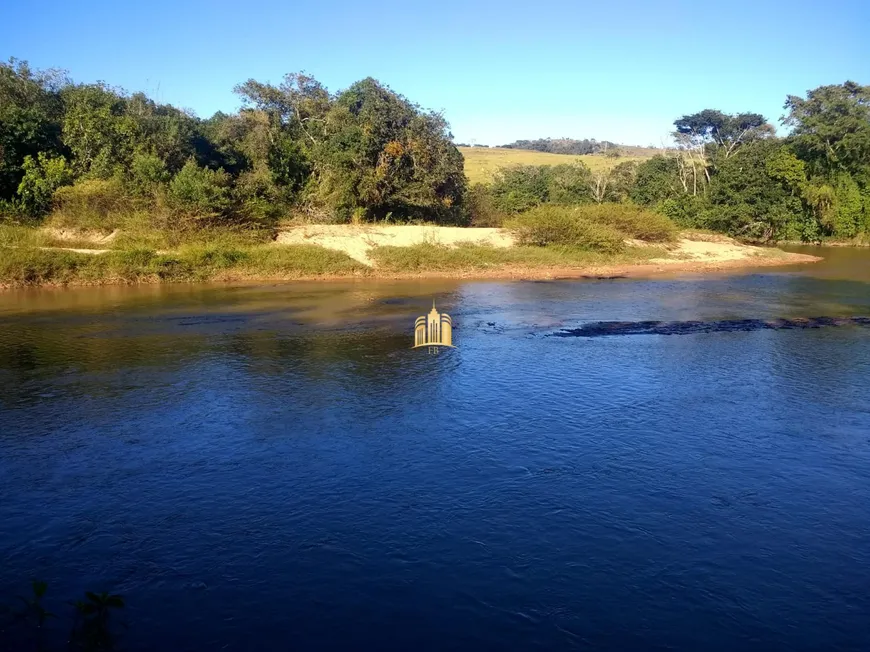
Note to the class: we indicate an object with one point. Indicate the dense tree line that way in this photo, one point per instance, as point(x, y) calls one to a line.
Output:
point(367, 153)
point(729, 173)
point(564, 145)
point(362, 153)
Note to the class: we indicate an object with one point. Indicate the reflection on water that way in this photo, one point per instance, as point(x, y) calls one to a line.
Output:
point(259, 467)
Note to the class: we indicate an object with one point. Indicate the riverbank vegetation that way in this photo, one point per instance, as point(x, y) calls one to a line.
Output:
point(193, 262)
point(727, 173)
point(173, 196)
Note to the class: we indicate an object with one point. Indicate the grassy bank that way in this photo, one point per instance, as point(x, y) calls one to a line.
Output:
point(538, 243)
point(471, 258)
point(28, 266)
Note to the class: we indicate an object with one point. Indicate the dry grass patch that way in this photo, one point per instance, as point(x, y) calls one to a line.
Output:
point(482, 163)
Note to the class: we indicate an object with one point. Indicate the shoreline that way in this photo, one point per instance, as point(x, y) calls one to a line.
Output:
point(646, 269)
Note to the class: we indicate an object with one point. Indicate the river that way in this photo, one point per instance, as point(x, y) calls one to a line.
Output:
point(272, 466)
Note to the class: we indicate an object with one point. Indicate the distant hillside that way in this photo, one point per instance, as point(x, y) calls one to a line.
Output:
point(481, 163)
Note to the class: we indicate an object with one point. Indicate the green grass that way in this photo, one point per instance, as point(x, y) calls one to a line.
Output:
point(481, 163)
point(24, 266)
point(12, 235)
point(136, 232)
point(471, 257)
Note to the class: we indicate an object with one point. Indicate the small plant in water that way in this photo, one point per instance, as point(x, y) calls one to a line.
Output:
point(92, 629)
point(34, 611)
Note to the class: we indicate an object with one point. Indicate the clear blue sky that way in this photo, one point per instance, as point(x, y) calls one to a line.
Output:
point(500, 71)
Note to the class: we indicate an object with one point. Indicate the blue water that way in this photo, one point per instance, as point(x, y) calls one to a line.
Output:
point(273, 467)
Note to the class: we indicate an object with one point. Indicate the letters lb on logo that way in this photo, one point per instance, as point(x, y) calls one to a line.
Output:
point(433, 330)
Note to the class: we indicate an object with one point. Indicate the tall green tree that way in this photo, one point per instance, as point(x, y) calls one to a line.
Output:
point(30, 119)
point(725, 131)
point(381, 155)
point(831, 127)
point(746, 200)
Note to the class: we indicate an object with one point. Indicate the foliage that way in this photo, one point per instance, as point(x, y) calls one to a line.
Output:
point(42, 176)
point(89, 204)
point(199, 191)
point(30, 113)
point(380, 155)
point(521, 187)
point(831, 127)
point(745, 200)
point(656, 181)
point(568, 183)
point(563, 145)
point(481, 207)
point(726, 132)
point(93, 627)
point(100, 157)
point(631, 220)
point(148, 175)
point(558, 225)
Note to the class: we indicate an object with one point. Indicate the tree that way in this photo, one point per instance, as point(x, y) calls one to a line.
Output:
point(831, 127)
point(725, 131)
point(568, 183)
point(520, 187)
point(711, 134)
point(200, 192)
point(42, 176)
point(656, 180)
point(299, 103)
point(30, 114)
point(745, 199)
point(381, 155)
point(96, 129)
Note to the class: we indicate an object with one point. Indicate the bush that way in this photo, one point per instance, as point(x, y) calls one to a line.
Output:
point(148, 175)
point(683, 210)
point(42, 176)
point(90, 204)
point(480, 205)
point(559, 225)
point(634, 221)
point(200, 192)
point(521, 187)
point(569, 183)
point(259, 199)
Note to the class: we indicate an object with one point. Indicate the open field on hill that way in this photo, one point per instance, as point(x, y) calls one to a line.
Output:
point(481, 163)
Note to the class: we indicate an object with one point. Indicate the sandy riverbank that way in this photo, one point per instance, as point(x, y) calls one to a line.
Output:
point(693, 252)
point(331, 252)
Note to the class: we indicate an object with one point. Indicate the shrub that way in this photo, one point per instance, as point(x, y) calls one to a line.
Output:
point(259, 199)
point(521, 187)
point(560, 225)
point(200, 192)
point(481, 208)
point(634, 221)
point(569, 183)
point(42, 176)
point(89, 204)
point(148, 174)
point(684, 210)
